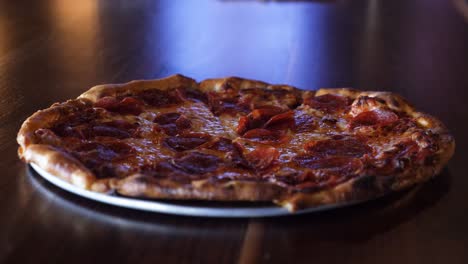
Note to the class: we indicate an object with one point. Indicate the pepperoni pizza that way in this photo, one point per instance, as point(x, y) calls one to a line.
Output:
point(234, 139)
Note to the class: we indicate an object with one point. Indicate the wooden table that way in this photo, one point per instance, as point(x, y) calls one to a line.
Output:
point(54, 50)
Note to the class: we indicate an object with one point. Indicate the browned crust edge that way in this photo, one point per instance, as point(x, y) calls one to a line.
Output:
point(48, 157)
point(363, 188)
point(369, 187)
point(209, 85)
point(172, 81)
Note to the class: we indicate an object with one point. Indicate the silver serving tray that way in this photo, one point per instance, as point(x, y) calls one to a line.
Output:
point(193, 208)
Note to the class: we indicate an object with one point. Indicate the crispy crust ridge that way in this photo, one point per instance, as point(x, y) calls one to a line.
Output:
point(52, 159)
point(70, 169)
point(140, 186)
point(209, 85)
point(172, 81)
point(61, 164)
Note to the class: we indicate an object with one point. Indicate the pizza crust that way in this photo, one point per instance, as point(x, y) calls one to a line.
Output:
point(237, 83)
point(71, 170)
point(172, 81)
point(141, 186)
point(48, 157)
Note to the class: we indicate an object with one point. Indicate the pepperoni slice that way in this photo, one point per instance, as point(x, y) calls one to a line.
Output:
point(231, 151)
point(98, 156)
point(243, 125)
point(186, 142)
point(117, 128)
point(338, 147)
point(262, 115)
point(267, 117)
point(173, 123)
point(264, 135)
point(168, 170)
point(107, 102)
point(198, 163)
point(337, 165)
point(127, 105)
point(100, 152)
point(328, 102)
point(380, 117)
point(281, 121)
point(262, 157)
point(158, 98)
point(130, 105)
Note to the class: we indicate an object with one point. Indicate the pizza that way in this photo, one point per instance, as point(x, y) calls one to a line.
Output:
point(235, 139)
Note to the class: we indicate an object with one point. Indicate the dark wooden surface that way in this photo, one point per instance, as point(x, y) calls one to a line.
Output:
point(54, 50)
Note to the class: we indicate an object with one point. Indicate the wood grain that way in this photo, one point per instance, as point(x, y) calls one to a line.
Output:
point(53, 50)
